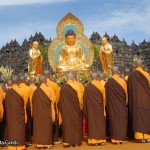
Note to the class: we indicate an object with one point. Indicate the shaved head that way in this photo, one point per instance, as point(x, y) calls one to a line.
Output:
point(42, 79)
point(35, 45)
point(27, 81)
point(75, 74)
point(32, 80)
point(9, 82)
point(21, 74)
point(46, 73)
point(115, 70)
point(100, 75)
point(127, 71)
point(15, 79)
point(94, 76)
point(139, 63)
point(70, 75)
point(22, 79)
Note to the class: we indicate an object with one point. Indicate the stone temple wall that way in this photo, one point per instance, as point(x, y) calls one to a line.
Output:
point(16, 56)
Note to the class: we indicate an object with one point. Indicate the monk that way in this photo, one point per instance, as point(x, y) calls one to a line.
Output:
point(139, 102)
point(52, 84)
point(9, 84)
point(81, 92)
point(94, 99)
point(26, 90)
point(15, 114)
point(101, 78)
point(33, 87)
point(116, 105)
point(56, 90)
point(70, 108)
point(127, 72)
point(43, 115)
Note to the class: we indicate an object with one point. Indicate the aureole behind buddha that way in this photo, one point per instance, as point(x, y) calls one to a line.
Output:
point(69, 22)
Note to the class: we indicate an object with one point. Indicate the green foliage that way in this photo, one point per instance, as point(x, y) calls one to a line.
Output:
point(6, 73)
point(84, 77)
point(96, 52)
point(44, 52)
point(61, 81)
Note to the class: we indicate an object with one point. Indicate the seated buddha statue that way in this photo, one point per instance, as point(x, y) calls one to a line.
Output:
point(71, 56)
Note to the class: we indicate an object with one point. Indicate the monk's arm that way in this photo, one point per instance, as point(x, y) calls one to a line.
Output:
point(1, 108)
point(126, 92)
point(104, 100)
point(30, 100)
point(57, 93)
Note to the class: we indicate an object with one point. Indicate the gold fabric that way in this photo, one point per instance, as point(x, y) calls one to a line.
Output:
point(32, 89)
point(55, 87)
point(139, 136)
point(94, 141)
point(101, 87)
point(16, 147)
point(102, 82)
point(126, 77)
point(78, 90)
point(26, 90)
point(144, 73)
point(21, 92)
point(123, 84)
point(50, 93)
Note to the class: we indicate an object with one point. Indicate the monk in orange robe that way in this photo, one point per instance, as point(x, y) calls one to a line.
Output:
point(116, 105)
point(101, 78)
point(9, 84)
point(26, 90)
point(94, 111)
point(139, 102)
point(56, 90)
point(43, 115)
point(33, 87)
point(15, 114)
point(127, 72)
point(81, 97)
point(70, 108)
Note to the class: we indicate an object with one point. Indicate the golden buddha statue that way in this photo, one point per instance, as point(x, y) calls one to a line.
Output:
point(106, 55)
point(71, 56)
point(35, 61)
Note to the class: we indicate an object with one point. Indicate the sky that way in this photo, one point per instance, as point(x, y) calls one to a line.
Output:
point(129, 19)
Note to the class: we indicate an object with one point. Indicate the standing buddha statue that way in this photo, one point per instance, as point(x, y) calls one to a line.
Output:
point(35, 61)
point(106, 55)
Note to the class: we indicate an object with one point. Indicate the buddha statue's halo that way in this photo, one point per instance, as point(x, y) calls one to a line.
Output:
point(69, 22)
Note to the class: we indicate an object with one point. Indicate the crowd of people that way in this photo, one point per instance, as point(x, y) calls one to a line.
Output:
point(115, 107)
